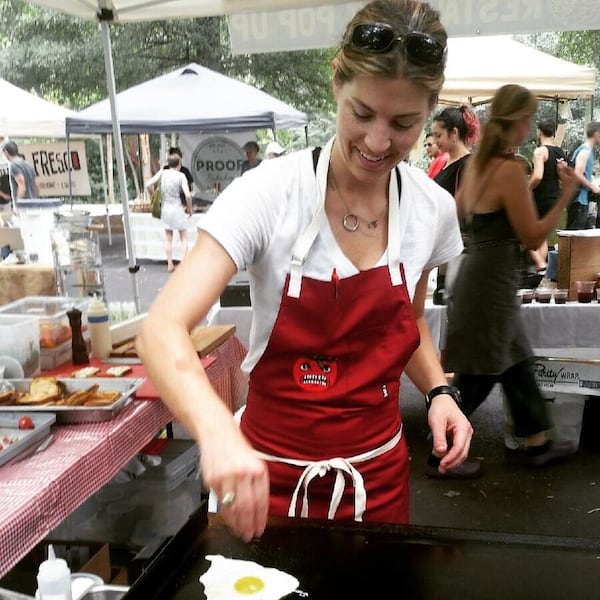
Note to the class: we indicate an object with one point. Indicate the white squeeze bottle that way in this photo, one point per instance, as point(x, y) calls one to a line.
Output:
point(99, 324)
point(54, 578)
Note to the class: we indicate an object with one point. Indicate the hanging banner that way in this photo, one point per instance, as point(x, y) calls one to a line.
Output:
point(323, 26)
point(214, 160)
point(51, 164)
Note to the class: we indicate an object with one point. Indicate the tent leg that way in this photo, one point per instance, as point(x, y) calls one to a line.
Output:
point(118, 145)
point(103, 168)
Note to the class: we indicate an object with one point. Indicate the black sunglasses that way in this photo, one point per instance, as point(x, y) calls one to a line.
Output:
point(379, 38)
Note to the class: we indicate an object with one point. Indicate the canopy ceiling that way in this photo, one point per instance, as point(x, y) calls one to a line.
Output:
point(24, 115)
point(268, 25)
point(477, 67)
point(191, 98)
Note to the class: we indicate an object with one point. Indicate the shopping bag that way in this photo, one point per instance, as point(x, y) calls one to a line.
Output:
point(155, 201)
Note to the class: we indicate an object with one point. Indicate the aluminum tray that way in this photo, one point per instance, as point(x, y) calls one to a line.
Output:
point(26, 437)
point(82, 414)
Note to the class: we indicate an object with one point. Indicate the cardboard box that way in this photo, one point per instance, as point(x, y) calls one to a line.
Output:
point(100, 564)
point(578, 259)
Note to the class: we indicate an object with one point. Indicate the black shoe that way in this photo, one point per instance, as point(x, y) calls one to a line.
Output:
point(469, 469)
point(553, 451)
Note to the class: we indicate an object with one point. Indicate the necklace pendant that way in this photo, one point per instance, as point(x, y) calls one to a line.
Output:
point(373, 224)
point(350, 222)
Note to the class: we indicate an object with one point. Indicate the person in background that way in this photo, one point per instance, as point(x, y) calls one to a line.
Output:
point(583, 158)
point(188, 174)
point(24, 179)
point(5, 194)
point(173, 215)
point(438, 158)
point(486, 341)
point(454, 130)
point(544, 182)
point(252, 160)
point(274, 150)
point(338, 268)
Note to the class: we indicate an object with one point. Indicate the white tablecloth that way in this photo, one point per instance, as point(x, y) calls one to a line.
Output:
point(570, 325)
point(148, 236)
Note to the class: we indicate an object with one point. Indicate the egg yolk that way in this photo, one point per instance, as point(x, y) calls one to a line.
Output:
point(248, 585)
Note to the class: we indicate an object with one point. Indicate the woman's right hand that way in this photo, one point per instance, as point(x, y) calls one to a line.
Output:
point(231, 468)
point(568, 180)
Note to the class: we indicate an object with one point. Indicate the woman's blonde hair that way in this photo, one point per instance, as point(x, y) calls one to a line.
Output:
point(510, 104)
point(404, 16)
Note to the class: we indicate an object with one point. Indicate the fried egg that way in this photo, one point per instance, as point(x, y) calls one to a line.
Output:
point(232, 579)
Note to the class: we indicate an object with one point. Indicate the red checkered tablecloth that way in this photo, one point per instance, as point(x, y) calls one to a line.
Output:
point(39, 492)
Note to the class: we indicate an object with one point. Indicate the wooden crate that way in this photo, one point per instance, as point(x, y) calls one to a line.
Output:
point(578, 259)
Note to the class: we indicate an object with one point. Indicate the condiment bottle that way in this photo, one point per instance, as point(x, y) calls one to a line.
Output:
point(99, 325)
point(54, 578)
point(78, 347)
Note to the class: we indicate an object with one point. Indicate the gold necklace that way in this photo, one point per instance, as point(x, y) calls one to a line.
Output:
point(351, 221)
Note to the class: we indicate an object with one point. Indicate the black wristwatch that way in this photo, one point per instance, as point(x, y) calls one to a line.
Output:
point(443, 389)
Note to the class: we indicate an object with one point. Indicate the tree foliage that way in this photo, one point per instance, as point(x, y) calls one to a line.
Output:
point(61, 58)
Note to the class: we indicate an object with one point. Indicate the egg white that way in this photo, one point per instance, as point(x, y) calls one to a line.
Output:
point(219, 581)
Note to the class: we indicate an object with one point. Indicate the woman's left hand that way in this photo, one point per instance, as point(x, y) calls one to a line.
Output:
point(447, 420)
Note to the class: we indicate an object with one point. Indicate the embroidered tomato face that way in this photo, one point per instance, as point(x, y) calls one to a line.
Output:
point(315, 373)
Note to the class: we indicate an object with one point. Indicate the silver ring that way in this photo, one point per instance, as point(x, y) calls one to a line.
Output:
point(228, 499)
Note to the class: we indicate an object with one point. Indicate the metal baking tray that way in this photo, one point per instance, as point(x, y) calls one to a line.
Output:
point(24, 438)
point(82, 414)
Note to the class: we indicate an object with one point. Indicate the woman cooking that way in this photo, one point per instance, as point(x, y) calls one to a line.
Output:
point(338, 252)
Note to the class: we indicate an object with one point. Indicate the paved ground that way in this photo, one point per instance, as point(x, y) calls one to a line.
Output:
point(563, 499)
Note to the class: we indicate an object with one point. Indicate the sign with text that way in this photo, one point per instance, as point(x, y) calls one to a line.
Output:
point(216, 162)
point(51, 164)
point(323, 26)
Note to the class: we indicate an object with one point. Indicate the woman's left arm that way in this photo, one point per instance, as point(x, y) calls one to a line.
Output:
point(425, 371)
point(188, 196)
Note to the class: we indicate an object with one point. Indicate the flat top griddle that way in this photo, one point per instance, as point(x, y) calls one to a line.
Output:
point(358, 561)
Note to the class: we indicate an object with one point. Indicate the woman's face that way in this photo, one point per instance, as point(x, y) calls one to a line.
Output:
point(522, 128)
point(443, 138)
point(378, 122)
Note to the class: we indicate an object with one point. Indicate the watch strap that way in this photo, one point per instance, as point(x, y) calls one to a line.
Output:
point(443, 389)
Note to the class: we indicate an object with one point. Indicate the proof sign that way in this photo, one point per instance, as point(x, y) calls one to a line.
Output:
point(216, 162)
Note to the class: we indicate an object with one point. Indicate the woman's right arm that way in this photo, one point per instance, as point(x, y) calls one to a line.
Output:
point(153, 179)
point(228, 462)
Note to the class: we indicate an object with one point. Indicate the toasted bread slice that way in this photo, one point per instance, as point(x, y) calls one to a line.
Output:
point(104, 398)
point(85, 372)
point(8, 398)
point(80, 397)
point(118, 370)
point(42, 390)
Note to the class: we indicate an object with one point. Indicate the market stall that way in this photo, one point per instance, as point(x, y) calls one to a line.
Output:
point(38, 493)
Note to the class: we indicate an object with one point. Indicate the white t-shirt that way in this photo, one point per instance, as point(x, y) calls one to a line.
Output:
point(259, 217)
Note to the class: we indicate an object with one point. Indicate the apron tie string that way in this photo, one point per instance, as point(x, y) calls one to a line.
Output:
point(320, 468)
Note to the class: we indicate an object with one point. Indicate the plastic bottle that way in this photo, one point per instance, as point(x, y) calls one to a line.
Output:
point(54, 578)
point(99, 325)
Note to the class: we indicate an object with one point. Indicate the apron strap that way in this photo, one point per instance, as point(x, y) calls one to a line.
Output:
point(397, 222)
point(340, 465)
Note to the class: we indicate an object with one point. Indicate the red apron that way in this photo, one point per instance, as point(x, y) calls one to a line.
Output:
point(323, 400)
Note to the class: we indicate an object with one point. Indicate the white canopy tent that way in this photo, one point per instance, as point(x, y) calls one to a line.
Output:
point(24, 115)
point(189, 99)
point(477, 67)
point(313, 16)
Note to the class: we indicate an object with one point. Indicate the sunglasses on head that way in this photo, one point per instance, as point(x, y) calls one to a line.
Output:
point(379, 38)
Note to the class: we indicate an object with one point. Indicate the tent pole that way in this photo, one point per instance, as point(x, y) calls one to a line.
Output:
point(104, 187)
point(69, 167)
point(118, 145)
